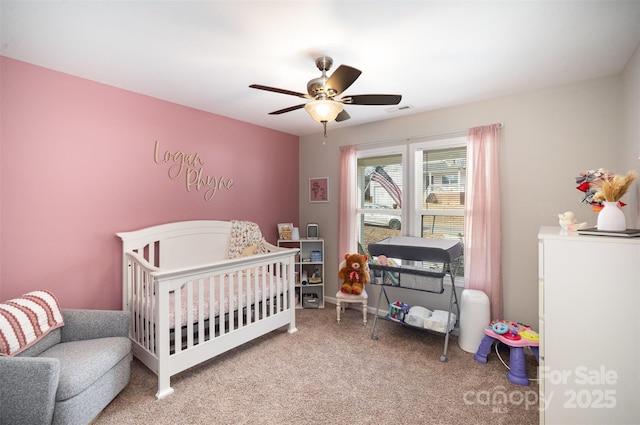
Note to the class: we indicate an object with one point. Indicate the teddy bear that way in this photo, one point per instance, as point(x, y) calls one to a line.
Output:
point(354, 273)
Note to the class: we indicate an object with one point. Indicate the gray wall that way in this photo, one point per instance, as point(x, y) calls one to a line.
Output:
point(550, 135)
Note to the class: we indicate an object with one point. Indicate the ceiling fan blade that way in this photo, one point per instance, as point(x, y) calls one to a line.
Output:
point(282, 91)
point(342, 78)
point(343, 116)
point(289, 109)
point(372, 99)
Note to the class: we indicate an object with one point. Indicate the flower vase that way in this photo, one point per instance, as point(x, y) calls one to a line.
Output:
point(611, 218)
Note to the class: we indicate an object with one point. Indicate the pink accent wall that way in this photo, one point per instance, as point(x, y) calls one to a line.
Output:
point(77, 166)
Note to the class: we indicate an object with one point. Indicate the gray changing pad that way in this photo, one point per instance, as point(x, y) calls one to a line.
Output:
point(417, 249)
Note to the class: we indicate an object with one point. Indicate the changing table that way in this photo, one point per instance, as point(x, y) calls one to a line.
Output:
point(422, 265)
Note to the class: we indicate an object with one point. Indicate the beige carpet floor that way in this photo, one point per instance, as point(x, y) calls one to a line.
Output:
point(330, 373)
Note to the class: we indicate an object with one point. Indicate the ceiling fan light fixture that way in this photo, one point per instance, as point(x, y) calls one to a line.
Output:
point(323, 110)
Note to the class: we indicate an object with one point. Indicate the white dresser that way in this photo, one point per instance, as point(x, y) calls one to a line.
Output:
point(589, 308)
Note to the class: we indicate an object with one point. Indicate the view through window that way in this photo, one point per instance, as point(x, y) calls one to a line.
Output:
point(380, 196)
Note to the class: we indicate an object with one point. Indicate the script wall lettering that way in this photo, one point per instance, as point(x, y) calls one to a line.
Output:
point(188, 166)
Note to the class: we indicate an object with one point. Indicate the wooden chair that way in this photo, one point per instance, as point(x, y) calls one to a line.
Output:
point(342, 299)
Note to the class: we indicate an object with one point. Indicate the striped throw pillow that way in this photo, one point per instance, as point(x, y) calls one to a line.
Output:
point(26, 320)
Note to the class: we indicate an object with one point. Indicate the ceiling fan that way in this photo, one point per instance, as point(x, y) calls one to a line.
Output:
point(324, 107)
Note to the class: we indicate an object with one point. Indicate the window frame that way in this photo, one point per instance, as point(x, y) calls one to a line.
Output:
point(415, 158)
point(412, 209)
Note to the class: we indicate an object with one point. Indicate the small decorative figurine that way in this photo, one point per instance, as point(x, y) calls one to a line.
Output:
point(568, 221)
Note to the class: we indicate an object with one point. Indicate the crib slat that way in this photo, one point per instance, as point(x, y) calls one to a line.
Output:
point(283, 288)
point(232, 301)
point(276, 285)
point(189, 305)
point(135, 291)
point(270, 299)
point(251, 293)
point(221, 327)
point(263, 283)
point(150, 252)
point(177, 334)
point(134, 304)
point(201, 303)
point(239, 279)
point(143, 306)
point(152, 306)
point(212, 307)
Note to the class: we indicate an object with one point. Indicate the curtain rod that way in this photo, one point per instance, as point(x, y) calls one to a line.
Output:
point(409, 139)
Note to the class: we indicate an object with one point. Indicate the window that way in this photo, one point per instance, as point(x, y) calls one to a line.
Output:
point(380, 195)
point(434, 172)
point(442, 173)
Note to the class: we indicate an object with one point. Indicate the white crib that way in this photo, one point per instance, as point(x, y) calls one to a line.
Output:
point(189, 301)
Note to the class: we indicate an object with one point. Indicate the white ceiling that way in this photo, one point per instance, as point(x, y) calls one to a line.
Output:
point(205, 54)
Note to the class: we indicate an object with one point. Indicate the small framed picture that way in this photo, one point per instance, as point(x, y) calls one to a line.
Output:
point(285, 230)
point(319, 189)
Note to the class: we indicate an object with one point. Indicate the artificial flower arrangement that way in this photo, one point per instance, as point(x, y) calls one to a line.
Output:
point(601, 186)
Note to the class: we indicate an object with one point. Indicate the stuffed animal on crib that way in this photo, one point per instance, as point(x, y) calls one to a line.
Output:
point(567, 221)
point(354, 273)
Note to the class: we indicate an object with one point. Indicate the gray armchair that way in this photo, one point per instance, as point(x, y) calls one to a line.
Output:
point(71, 374)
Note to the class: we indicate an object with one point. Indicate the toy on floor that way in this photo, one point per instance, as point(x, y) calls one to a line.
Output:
point(354, 273)
point(517, 336)
point(398, 311)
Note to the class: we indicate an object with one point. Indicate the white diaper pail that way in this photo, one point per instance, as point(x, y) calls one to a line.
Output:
point(474, 317)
